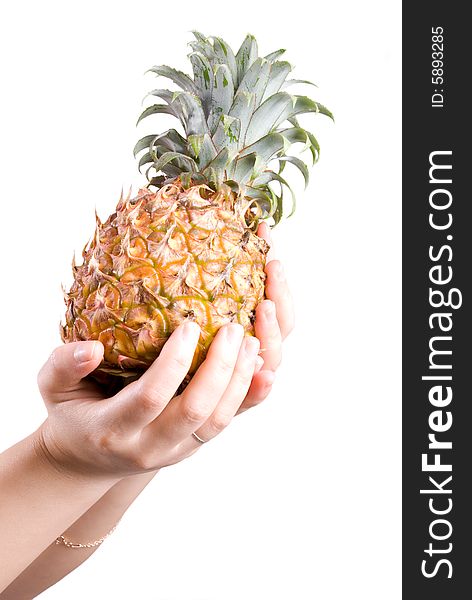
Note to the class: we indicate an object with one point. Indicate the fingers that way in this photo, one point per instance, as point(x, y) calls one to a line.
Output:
point(276, 289)
point(139, 403)
point(268, 331)
point(66, 366)
point(198, 401)
point(259, 364)
point(235, 392)
point(263, 231)
point(261, 387)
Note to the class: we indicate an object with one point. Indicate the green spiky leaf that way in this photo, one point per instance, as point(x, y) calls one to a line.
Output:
point(179, 78)
point(290, 82)
point(203, 76)
point(268, 116)
point(154, 110)
point(243, 168)
point(222, 95)
point(144, 143)
point(256, 79)
point(267, 147)
point(278, 73)
point(168, 157)
point(196, 143)
point(245, 56)
point(225, 55)
point(301, 166)
point(273, 56)
point(235, 113)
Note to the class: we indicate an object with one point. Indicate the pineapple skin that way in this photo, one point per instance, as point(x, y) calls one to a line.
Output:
point(162, 258)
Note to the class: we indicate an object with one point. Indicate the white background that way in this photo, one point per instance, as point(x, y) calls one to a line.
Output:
point(299, 498)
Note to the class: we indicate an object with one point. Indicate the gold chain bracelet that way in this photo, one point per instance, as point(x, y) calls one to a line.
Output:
point(65, 542)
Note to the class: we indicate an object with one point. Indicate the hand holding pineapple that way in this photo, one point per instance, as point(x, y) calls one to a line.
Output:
point(82, 459)
point(176, 296)
point(145, 426)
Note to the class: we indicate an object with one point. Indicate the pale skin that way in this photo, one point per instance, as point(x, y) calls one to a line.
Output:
point(85, 465)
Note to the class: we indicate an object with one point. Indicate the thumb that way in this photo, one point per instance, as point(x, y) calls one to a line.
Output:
point(67, 365)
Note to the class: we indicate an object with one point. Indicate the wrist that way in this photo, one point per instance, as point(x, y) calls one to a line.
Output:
point(40, 499)
point(55, 461)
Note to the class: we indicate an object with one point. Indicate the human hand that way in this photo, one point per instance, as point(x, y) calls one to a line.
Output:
point(143, 427)
point(274, 321)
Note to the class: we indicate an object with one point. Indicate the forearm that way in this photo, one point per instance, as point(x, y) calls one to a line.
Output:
point(56, 561)
point(37, 503)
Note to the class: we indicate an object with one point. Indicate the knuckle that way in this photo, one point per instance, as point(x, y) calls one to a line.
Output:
point(274, 364)
point(106, 443)
point(44, 374)
point(220, 420)
point(226, 365)
point(136, 457)
point(149, 398)
point(240, 383)
point(194, 413)
point(274, 334)
point(143, 462)
point(179, 363)
point(242, 377)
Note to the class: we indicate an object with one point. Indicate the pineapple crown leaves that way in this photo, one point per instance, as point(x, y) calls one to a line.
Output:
point(238, 119)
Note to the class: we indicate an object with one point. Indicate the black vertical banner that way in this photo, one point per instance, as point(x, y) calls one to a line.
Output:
point(437, 301)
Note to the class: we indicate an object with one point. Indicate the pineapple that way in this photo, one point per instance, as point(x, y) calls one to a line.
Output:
point(185, 247)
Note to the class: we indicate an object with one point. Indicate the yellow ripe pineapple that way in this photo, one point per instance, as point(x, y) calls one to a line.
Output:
point(185, 246)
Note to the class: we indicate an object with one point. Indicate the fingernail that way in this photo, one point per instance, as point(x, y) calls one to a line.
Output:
point(270, 378)
point(269, 310)
point(279, 272)
point(234, 332)
point(251, 346)
point(267, 232)
point(190, 330)
point(84, 352)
